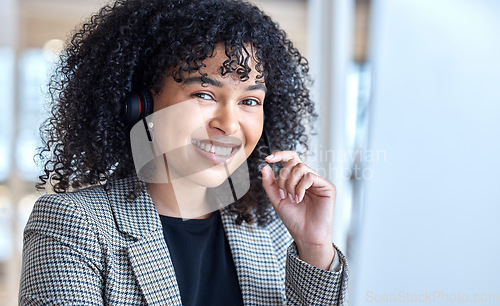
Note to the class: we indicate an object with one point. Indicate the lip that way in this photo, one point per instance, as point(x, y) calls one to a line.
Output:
point(212, 157)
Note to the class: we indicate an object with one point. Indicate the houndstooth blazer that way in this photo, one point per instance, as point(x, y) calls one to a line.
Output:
point(95, 247)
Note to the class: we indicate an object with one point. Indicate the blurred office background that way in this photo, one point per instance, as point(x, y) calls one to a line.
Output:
point(408, 93)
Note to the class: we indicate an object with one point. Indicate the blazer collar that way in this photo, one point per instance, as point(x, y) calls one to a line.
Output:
point(137, 218)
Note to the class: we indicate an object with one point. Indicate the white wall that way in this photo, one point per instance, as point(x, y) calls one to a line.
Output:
point(431, 230)
point(329, 56)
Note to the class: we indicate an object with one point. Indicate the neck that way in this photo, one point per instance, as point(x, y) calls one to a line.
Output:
point(180, 199)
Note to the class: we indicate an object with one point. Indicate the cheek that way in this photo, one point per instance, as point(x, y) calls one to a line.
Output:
point(176, 123)
point(253, 133)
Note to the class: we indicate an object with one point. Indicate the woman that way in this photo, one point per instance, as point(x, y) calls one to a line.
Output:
point(196, 78)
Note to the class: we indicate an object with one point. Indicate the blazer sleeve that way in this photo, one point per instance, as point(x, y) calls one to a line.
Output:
point(309, 285)
point(60, 256)
point(306, 284)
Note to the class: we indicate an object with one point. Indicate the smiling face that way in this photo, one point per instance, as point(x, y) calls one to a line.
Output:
point(208, 125)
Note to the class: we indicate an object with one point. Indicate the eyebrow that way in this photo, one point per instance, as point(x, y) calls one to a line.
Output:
point(213, 82)
point(199, 80)
point(257, 87)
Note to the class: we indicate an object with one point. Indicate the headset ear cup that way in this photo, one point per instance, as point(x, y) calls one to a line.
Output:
point(138, 104)
point(147, 101)
point(132, 108)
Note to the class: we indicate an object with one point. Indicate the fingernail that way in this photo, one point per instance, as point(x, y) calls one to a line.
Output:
point(297, 198)
point(282, 194)
point(291, 198)
point(260, 166)
point(270, 156)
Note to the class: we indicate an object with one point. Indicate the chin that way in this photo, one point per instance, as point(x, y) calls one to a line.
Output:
point(217, 175)
point(208, 179)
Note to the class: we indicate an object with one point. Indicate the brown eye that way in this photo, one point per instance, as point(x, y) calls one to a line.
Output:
point(251, 102)
point(202, 95)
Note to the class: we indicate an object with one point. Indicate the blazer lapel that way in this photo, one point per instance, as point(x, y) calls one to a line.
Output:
point(255, 259)
point(153, 268)
point(149, 255)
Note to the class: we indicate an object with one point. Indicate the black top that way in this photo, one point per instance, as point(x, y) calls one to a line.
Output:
point(202, 261)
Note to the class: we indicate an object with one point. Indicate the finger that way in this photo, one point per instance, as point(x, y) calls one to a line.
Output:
point(317, 185)
point(284, 175)
point(306, 181)
point(298, 171)
point(270, 186)
point(282, 156)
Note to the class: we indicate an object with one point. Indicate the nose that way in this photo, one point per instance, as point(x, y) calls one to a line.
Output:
point(226, 120)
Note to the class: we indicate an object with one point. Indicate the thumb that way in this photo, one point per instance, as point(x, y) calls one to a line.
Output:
point(270, 186)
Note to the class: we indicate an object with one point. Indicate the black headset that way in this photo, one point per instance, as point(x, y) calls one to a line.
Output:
point(138, 105)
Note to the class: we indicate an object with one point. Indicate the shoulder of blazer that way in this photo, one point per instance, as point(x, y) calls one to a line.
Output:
point(105, 210)
point(65, 209)
point(71, 220)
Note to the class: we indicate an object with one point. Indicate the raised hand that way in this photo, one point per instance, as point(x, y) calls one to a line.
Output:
point(305, 203)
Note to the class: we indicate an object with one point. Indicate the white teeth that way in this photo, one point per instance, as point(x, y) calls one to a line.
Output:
point(222, 151)
point(213, 149)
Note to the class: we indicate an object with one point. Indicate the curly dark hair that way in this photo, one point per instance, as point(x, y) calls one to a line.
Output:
point(86, 139)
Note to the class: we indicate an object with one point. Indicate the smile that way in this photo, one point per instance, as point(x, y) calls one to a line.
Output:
point(217, 149)
point(210, 148)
